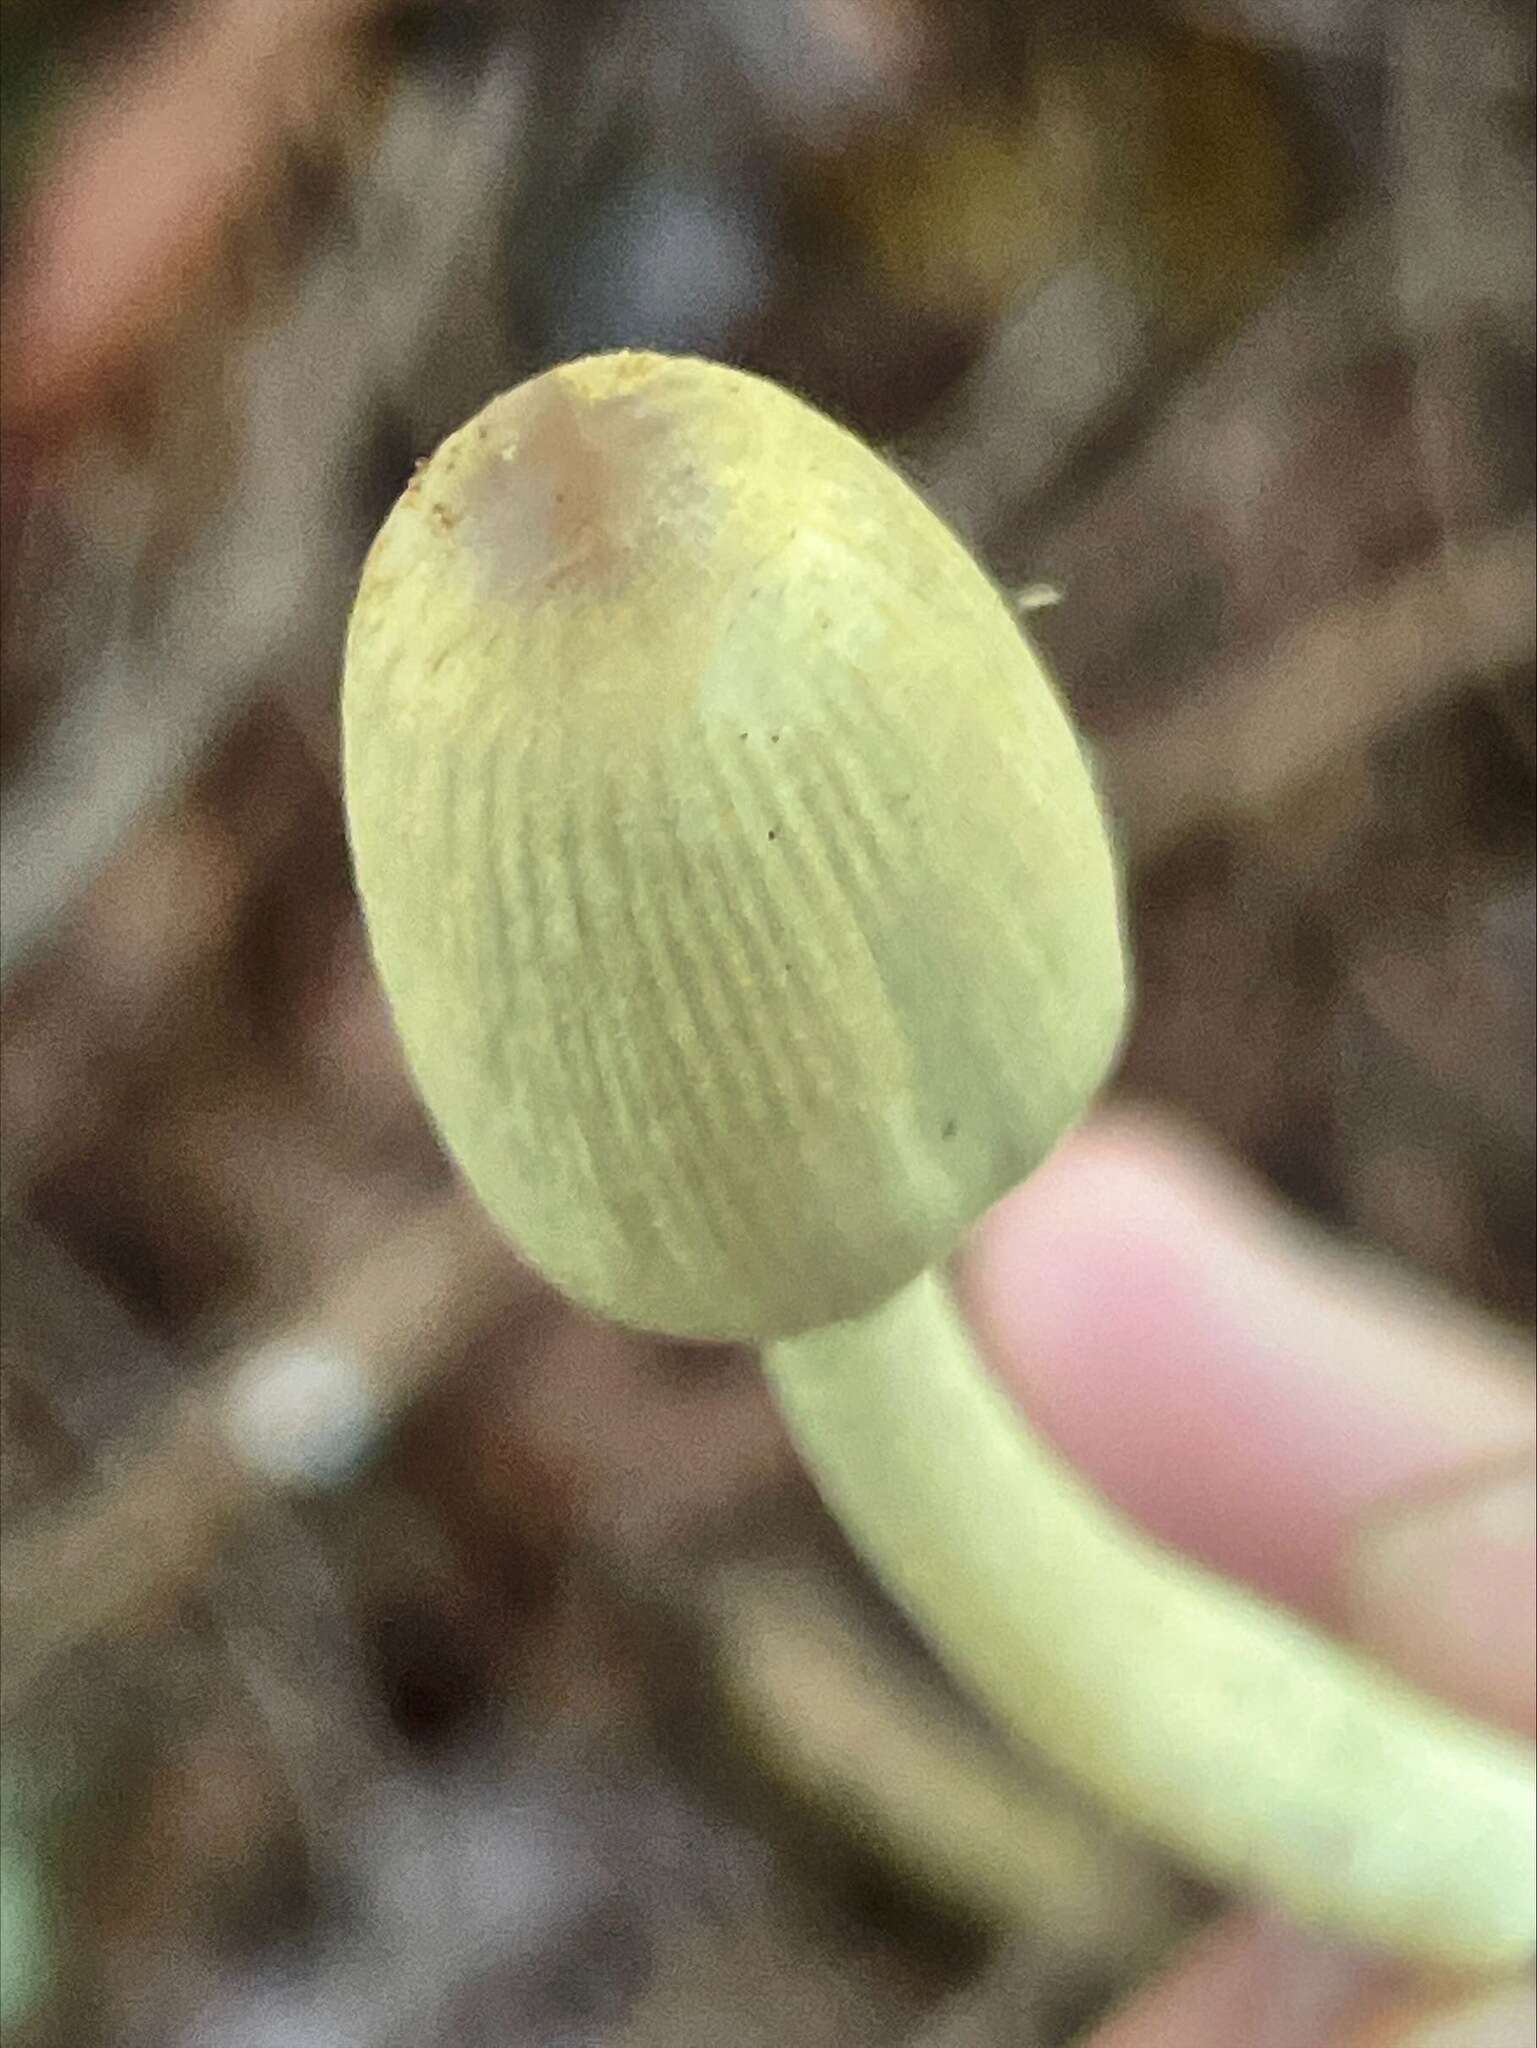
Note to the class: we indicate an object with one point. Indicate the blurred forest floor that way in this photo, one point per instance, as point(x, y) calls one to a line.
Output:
point(393, 1657)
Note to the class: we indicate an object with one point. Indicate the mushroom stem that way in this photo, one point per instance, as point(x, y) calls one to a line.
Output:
point(1269, 1758)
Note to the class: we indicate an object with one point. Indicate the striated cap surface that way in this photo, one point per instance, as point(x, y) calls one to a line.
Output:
point(731, 867)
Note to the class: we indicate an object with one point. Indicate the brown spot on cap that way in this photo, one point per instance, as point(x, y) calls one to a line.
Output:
point(576, 481)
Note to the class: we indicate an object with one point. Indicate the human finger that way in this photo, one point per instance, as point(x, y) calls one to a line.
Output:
point(1240, 1387)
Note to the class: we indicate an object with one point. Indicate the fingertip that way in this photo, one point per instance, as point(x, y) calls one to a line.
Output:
point(1236, 1384)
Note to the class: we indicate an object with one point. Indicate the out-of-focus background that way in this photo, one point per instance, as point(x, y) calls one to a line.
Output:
point(392, 1656)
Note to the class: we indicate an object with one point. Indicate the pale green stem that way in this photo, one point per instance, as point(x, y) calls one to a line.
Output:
point(1273, 1760)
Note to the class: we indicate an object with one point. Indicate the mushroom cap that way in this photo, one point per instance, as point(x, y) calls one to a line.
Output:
point(732, 869)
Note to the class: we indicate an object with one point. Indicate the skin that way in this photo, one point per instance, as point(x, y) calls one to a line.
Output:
point(743, 900)
point(1400, 1514)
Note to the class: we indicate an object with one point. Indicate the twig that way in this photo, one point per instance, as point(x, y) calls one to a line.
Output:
point(1240, 746)
point(292, 1412)
point(1014, 2002)
point(859, 1730)
point(261, 586)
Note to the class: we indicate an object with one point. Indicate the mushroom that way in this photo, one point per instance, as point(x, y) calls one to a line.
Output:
point(747, 912)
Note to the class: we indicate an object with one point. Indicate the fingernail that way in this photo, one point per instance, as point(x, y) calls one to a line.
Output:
point(1501, 2019)
point(1443, 1589)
